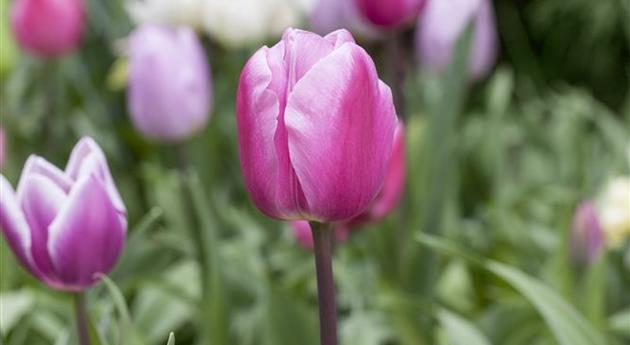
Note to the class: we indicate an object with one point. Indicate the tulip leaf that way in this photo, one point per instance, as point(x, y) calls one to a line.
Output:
point(171, 339)
point(205, 234)
point(15, 305)
point(460, 331)
point(568, 326)
point(128, 334)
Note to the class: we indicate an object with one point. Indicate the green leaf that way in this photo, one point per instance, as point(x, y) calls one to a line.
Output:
point(460, 331)
point(620, 322)
point(128, 334)
point(15, 305)
point(288, 321)
point(568, 326)
point(171, 339)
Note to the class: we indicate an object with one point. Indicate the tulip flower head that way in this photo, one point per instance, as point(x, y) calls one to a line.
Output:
point(315, 127)
point(390, 14)
point(386, 200)
point(441, 24)
point(614, 211)
point(169, 93)
point(330, 15)
point(587, 239)
point(67, 226)
point(48, 28)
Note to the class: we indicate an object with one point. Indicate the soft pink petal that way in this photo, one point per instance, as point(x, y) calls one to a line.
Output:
point(340, 121)
point(264, 160)
point(41, 200)
point(87, 236)
point(14, 226)
point(88, 158)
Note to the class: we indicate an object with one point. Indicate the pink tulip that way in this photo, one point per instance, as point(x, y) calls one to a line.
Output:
point(587, 238)
point(330, 15)
point(441, 24)
point(170, 93)
point(65, 226)
point(387, 199)
point(315, 127)
point(48, 28)
point(390, 14)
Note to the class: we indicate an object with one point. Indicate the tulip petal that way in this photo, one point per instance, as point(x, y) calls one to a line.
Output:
point(41, 200)
point(14, 226)
point(258, 107)
point(340, 121)
point(394, 184)
point(87, 236)
point(40, 166)
point(87, 158)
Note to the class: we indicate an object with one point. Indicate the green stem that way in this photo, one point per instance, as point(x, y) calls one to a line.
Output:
point(82, 318)
point(323, 235)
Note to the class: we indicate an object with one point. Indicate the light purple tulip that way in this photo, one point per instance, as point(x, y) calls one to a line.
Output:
point(587, 237)
point(389, 14)
point(441, 24)
point(65, 226)
point(330, 15)
point(387, 199)
point(48, 28)
point(315, 127)
point(170, 93)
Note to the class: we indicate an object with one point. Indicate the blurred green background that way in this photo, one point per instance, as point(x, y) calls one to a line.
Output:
point(477, 253)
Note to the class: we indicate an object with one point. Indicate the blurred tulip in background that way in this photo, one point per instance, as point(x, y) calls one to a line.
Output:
point(330, 15)
point(587, 238)
point(390, 14)
point(170, 92)
point(441, 24)
point(315, 126)
point(65, 226)
point(614, 211)
point(48, 28)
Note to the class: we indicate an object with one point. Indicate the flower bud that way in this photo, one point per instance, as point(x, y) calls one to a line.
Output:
point(614, 211)
point(65, 226)
point(169, 93)
point(390, 14)
point(315, 126)
point(441, 24)
point(47, 28)
point(587, 238)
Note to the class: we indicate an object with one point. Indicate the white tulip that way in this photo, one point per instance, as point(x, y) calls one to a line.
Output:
point(167, 12)
point(237, 23)
point(614, 211)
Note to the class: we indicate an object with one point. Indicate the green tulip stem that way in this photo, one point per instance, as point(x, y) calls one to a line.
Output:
point(82, 318)
point(323, 235)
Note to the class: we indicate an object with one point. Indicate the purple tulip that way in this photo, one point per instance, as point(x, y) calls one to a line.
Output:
point(169, 94)
point(330, 15)
point(386, 200)
point(315, 127)
point(48, 28)
point(441, 24)
point(65, 226)
point(390, 14)
point(587, 238)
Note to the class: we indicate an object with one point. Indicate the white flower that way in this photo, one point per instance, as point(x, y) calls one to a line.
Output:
point(614, 211)
point(167, 12)
point(237, 23)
